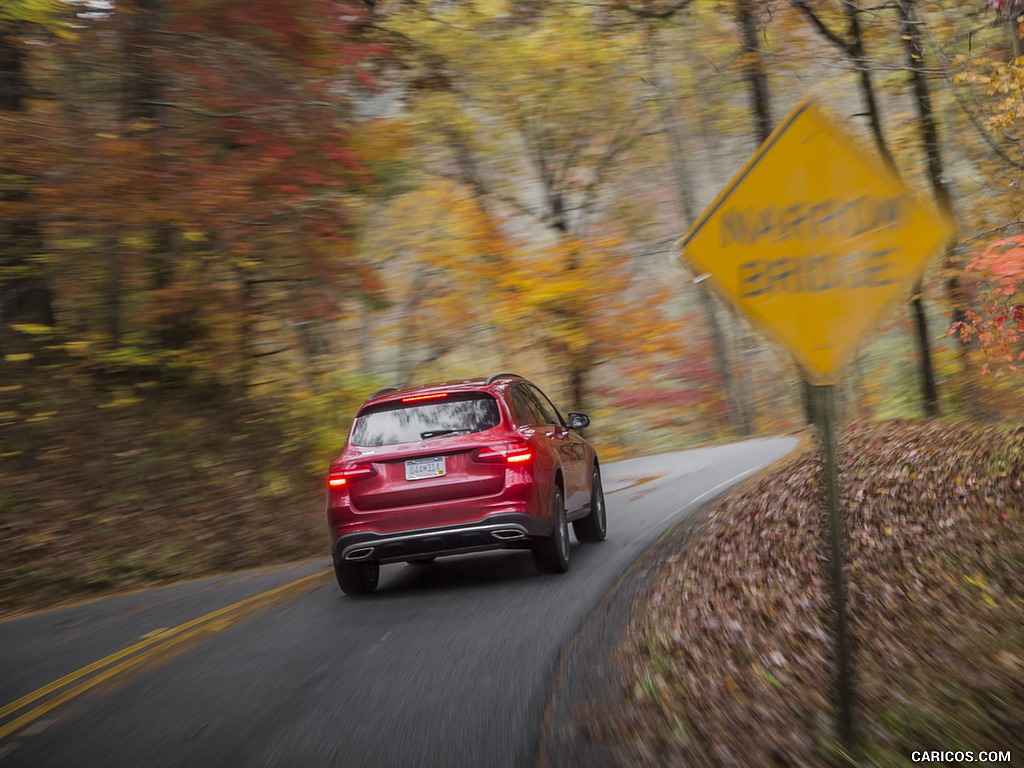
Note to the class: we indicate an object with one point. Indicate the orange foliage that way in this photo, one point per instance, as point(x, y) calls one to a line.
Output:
point(999, 326)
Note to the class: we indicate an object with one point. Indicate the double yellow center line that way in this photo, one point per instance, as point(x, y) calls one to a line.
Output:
point(151, 647)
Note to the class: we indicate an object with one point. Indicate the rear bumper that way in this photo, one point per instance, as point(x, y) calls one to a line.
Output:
point(500, 531)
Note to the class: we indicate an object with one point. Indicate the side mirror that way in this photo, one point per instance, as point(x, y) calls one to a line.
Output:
point(578, 420)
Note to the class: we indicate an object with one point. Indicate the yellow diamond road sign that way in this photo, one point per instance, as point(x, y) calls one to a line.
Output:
point(815, 240)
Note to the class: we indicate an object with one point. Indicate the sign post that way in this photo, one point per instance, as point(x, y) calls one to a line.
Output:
point(825, 414)
point(814, 241)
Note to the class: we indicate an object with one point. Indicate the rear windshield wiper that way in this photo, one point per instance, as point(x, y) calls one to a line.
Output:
point(442, 432)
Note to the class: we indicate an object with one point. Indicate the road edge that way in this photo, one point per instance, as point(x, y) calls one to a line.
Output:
point(587, 677)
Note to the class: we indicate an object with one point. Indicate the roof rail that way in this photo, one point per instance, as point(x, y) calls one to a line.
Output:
point(497, 376)
point(382, 392)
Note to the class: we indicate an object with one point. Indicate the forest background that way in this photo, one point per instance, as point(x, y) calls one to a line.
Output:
point(224, 223)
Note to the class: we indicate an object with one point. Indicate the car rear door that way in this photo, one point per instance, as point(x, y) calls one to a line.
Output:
point(426, 450)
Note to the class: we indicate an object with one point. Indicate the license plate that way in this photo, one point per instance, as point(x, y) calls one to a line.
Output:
point(421, 469)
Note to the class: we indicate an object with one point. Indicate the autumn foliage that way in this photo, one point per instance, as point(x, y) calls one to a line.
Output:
point(274, 208)
point(730, 622)
point(999, 325)
point(189, 168)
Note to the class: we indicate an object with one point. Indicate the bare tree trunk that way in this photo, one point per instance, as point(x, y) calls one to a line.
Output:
point(114, 304)
point(738, 414)
point(142, 91)
point(246, 290)
point(867, 86)
point(757, 79)
point(577, 387)
point(25, 293)
point(757, 83)
point(364, 332)
point(853, 46)
point(910, 30)
point(406, 366)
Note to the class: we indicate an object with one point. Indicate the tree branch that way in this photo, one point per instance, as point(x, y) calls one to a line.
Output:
point(651, 12)
point(821, 26)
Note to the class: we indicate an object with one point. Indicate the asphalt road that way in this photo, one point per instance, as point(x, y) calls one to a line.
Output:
point(449, 664)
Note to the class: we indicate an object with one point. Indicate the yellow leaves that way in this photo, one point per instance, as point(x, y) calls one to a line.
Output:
point(569, 273)
point(552, 66)
point(41, 416)
point(439, 225)
point(451, 267)
point(20, 357)
point(987, 592)
point(135, 241)
point(34, 329)
point(78, 348)
point(120, 400)
point(50, 14)
point(1003, 83)
point(380, 136)
point(573, 297)
point(491, 8)
point(524, 111)
point(972, 77)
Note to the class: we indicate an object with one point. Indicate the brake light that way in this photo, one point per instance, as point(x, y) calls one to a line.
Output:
point(514, 452)
point(339, 477)
point(414, 398)
point(519, 452)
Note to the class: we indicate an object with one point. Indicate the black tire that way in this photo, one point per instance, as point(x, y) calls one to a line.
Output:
point(357, 578)
point(593, 527)
point(552, 552)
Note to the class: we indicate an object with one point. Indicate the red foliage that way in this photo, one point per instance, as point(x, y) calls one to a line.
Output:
point(1004, 6)
point(999, 326)
point(258, 154)
point(303, 32)
point(197, 153)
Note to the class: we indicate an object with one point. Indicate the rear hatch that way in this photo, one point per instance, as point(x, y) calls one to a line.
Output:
point(426, 449)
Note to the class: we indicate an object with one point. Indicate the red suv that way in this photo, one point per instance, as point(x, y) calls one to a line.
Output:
point(463, 466)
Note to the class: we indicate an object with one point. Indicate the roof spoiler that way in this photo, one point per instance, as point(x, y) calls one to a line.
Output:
point(498, 376)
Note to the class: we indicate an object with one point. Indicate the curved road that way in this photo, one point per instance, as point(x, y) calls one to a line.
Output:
point(449, 664)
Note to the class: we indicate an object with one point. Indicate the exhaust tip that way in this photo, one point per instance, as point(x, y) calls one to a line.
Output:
point(359, 554)
point(508, 534)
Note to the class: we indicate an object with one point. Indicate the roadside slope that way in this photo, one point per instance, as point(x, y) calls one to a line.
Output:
point(714, 649)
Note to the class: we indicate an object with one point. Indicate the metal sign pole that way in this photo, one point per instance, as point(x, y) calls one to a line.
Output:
point(825, 413)
point(815, 227)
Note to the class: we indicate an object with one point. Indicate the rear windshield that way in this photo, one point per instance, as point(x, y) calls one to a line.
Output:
point(393, 423)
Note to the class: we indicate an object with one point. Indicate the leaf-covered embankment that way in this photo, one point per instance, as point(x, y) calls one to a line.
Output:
point(105, 491)
point(729, 661)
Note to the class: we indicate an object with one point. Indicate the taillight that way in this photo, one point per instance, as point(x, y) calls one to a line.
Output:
point(513, 452)
point(416, 398)
point(519, 452)
point(491, 453)
point(341, 476)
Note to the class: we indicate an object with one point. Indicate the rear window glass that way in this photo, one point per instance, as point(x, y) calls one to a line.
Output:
point(393, 423)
